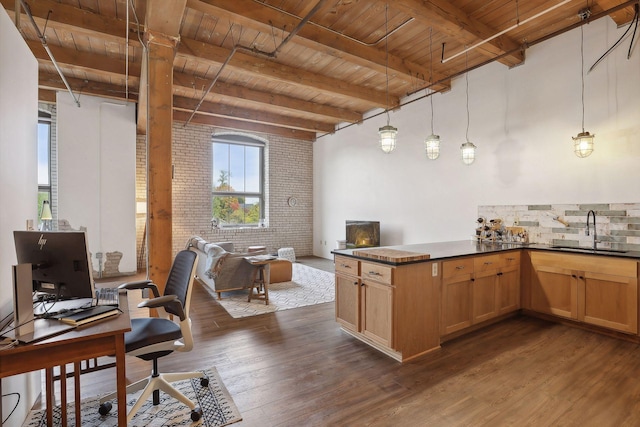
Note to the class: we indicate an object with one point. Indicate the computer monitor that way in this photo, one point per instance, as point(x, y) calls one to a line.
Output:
point(60, 262)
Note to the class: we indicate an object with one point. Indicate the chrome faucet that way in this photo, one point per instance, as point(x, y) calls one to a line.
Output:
point(595, 234)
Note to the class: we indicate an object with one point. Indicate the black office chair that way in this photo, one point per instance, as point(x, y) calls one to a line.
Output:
point(153, 337)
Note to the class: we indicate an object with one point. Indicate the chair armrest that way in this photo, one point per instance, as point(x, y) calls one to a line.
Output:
point(141, 284)
point(171, 301)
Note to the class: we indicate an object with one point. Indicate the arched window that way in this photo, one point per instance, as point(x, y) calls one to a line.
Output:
point(238, 180)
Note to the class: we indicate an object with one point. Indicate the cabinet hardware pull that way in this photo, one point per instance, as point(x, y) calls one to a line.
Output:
point(511, 259)
point(574, 276)
point(362, 284)
point(345, 266)
point(355, 283)
point(499, 274)
point(488, 263)
point(581, 277)
point(460, 267)
point(473, 279)
point(374, 273)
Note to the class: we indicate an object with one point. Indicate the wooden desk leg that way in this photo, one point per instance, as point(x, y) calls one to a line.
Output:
point(266, 281)
point(50, 399)
point(121, 380)
point(63, 394)
point(76, 389)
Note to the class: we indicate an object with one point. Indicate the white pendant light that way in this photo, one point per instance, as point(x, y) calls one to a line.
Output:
point(467, 150)
point(432, 142)
point(388, 134)
point(432, 146)
point(583, 143)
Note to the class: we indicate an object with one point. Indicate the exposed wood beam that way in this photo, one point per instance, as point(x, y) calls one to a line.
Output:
point(265, 68)
point(52, 81)
point(110, 66)
point(451, 20)
point(80, 21)
point(141, 125)
point(246, 126)
point(85, 60)
point(253, 116)
point(620, 17)
point(266, 99)
point(162, 23)
point(264, 19)
point(47, 96)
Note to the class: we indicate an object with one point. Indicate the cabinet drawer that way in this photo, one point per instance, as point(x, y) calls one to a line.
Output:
point(377, 272)
point(347, 265)
point(486, 263)
point(510, 259)
point(457, 267)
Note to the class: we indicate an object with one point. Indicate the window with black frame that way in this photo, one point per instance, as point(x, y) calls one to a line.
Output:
point(237, 181)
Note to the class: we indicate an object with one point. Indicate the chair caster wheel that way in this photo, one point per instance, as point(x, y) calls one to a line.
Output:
point(204, 382)
point(105, 408)
point(196, 414)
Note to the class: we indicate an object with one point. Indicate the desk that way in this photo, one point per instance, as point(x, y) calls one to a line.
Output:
point(101, 338)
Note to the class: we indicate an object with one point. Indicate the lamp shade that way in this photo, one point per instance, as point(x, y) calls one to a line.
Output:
point(432, 146)
point(46, 211)
point(583, 144)
point(468, 152)
point(388, 135)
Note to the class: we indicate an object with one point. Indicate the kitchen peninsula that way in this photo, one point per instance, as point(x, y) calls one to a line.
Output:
point(406, 300)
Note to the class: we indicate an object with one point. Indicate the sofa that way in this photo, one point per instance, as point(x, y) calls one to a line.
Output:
point(220, 267)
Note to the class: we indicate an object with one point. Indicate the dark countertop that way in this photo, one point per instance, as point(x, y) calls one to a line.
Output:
point(444, 250)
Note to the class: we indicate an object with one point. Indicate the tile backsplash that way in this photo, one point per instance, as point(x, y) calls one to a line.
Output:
point(617, 224)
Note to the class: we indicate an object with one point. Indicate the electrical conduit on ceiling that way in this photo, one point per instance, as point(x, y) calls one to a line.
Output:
point(43, 40)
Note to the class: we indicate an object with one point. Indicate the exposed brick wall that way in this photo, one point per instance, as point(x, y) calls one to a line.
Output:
point(288, 172)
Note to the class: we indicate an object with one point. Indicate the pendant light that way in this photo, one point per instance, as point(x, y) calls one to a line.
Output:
point(432, 142)
point(388, 134)
point(467, 150)
point(583, 143)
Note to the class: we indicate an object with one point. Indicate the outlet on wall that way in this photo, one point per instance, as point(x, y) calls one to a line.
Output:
point(434, 269)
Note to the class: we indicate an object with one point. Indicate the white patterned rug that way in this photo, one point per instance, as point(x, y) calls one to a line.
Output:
point(308, 286)
point(216, 404)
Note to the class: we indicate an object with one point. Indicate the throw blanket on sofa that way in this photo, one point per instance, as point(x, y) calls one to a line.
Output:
point(215, 255)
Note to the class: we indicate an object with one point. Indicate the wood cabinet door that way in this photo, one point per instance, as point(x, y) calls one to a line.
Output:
point(377, 312)
point(484, 296)
point(610, 301)
point(554, 290)
point(508, 290)
point(348, 302)
point(456, 303)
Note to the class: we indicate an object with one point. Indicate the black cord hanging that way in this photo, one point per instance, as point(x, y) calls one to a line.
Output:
point(634, 24)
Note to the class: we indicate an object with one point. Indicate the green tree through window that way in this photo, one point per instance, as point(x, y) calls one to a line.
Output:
point(237, 180)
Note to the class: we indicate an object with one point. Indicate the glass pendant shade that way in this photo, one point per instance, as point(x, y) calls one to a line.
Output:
point(388, 135)
point(583, 144)
point(432, 146)
point(46, 216)
point(468, 151)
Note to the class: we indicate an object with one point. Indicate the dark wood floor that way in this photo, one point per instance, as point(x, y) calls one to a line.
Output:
point(296, 368)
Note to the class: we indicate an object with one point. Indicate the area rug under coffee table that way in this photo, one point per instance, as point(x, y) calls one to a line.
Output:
point(217, 407)
point(308, 286)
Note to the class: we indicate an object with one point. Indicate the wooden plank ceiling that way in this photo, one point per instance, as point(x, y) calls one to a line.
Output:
point(344, 58)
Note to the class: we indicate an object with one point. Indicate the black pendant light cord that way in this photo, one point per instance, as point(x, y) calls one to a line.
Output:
point(466, 76)
point(386, 48)
point(634, 24)
point(582, 70)
point(431, 72)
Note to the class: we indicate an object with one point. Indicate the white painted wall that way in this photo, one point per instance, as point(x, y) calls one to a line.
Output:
point(521, 120)
point(96, 173)
point(19, 185)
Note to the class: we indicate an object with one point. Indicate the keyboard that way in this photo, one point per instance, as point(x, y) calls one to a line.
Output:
point(107, 296)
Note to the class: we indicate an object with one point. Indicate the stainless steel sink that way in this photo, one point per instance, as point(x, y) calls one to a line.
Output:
point(584, 249)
